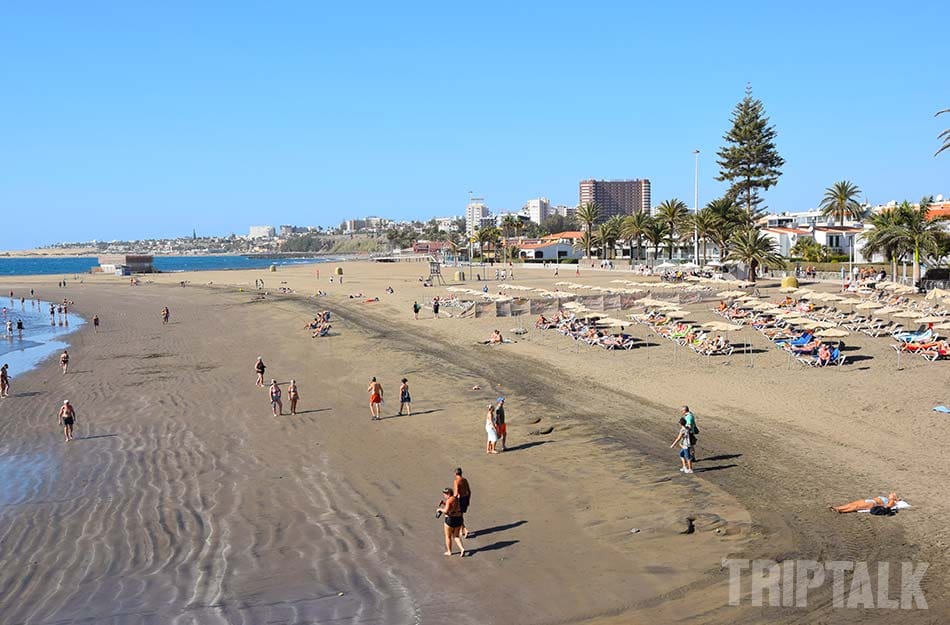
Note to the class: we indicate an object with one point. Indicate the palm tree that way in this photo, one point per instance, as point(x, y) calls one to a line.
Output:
point(672, 213)
point(588, 213)
point(508, 223)
point(656, 233)
point(585, 242)
point(916, 232)
point(754, 249)
point(633, 229)
point(488, 237)
point(726, 218)
point(703, 224)
point(841, 201)
point(607, 235)
point(881, 240)
point(810, 250)
point(943, 136)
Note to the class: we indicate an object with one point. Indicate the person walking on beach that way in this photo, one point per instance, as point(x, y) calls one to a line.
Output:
point(500, 425)
point(415, 310)
point(490, 430)
point(275, 403)
point(682, 439)
point(64, 361)
point(405, 400)
point(95, 323)
point(4, 381)
point(67, 418)
point(9, 328)
point(165, 315)
point(693, 431)
point(463, 491)
point(435, 307)
point(375, 391)
point(293, 395)
point(453, 521)
point(19, 328)
point(260, 368)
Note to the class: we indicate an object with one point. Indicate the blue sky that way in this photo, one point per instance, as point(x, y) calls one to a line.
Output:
point(122, 120)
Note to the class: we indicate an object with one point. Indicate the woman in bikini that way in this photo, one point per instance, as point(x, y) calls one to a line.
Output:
point(405, 400)
point(64, 361)
point(866, 504)
point(259, 368)
point(453, 521)
point(293, 395)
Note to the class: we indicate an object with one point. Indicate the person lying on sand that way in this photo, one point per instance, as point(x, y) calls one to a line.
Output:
point(866, 504)
point(356, 296)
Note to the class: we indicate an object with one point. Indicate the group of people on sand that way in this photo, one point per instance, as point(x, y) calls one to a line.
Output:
point(274, 391)
point(375, 390)
point(320, 326)
point(686, 439)
point(436, 305)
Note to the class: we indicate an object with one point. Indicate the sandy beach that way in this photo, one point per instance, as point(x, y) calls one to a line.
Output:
point(183, 500)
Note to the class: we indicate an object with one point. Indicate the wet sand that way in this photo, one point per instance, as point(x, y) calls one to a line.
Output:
point(183, 500)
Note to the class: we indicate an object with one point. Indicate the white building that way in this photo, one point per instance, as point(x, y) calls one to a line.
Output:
point(498, 219)
point(262, 232)
point(475, 211)
point(537, 209)
point(446, 224)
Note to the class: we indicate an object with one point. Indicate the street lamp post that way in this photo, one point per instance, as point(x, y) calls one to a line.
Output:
point(696, 211)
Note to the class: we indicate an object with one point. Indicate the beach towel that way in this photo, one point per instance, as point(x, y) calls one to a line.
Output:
point(942, 409)
point(900, 505)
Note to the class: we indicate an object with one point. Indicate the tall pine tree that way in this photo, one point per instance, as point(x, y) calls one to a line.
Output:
point(749, 160)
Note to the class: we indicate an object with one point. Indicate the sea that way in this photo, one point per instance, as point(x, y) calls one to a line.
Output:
point(42, 334)
point(77, 265)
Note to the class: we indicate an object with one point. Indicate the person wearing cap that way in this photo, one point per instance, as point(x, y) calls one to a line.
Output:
point(500, 427)
point(67, 417)
point(453, 521)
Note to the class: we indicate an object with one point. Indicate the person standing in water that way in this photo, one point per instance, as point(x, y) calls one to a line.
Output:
point(405, 400)
point(375, 391)
point(67, 418)
point(293, 395)
point(64, 361)
point(275, 402)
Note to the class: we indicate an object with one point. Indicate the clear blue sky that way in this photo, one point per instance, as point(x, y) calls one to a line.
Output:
point(124, 120)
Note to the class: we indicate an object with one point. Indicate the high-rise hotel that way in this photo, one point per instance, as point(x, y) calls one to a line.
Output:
point(617, 197)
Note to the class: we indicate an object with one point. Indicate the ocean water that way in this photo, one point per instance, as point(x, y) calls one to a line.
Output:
point(39, 339)
point(72, 266)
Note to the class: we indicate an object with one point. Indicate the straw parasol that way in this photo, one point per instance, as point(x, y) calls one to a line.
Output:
point(869, 306)
point(675, 314)
point(942, 326)
point(721, 326)
point(832, 333)
point(734, 293)
point(788, 289)
point(887, 310)
point(931, 319)
point(908, 314)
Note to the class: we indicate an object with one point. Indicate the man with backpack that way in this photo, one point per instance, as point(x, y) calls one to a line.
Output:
point(693, 431)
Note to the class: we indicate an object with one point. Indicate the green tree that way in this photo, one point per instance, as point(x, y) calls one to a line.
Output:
point(672, 213)
point(943, 136)
point(585, 242)
point(508, 224)
point(704, 225)
point(841, 202)
point(749, 161)
point(915, 232)
point(488, 239)
point(881, 239)
point(727, 218)
point(588, 213)
point(810, 250)
point(633, 229)
point(753, 249)
point(554, 224)
point(607, 235)
point(656, 233)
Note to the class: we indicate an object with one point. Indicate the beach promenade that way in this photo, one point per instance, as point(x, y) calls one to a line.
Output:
point(183, 500)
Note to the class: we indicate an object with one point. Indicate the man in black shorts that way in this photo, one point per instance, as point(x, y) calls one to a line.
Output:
point(463, 491)
point(67, 418)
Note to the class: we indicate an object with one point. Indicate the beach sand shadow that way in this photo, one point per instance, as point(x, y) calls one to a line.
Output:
point(526, 446)
point(497, 528)
point(89, 438)
point(415, 414)
point(718, 468)
point(300, 412)
point(718, 458)
point(28, 394)
point(501, 544)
